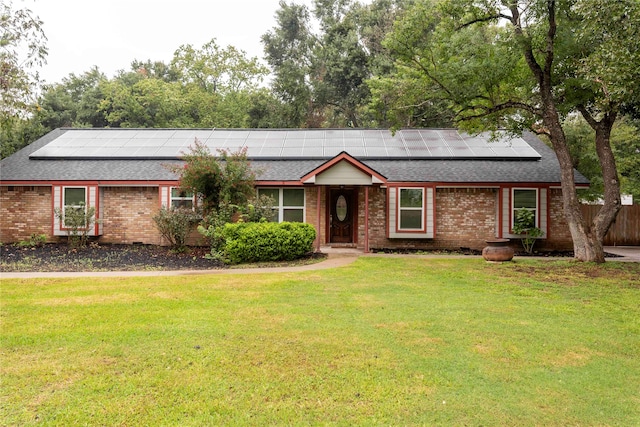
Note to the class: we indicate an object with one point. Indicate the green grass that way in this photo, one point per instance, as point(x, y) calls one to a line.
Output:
point(401, 341)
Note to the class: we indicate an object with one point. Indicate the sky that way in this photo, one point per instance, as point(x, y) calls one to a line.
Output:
point(110, 34)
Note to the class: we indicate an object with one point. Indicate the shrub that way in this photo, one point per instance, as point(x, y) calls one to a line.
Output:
point(524, 225)
point(35, 241)
point(212, 227)
point(267, 241)
point(175, 225)
point(258, 209)
point(77, 221)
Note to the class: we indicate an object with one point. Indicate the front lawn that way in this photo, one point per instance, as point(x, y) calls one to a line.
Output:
point(383, 341)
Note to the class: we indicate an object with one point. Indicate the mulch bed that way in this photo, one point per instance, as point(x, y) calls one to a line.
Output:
point(60, 257)
point(469, 251)
point(55, 257)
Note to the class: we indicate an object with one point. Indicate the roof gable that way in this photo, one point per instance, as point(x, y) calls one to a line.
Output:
point(343, 170)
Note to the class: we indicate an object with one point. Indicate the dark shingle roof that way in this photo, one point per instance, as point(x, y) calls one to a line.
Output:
point(545, 169)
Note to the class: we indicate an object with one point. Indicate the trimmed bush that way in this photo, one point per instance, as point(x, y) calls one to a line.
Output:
point(267, 241)
point(175, 224)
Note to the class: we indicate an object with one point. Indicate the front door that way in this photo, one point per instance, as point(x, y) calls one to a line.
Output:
point(342, 216)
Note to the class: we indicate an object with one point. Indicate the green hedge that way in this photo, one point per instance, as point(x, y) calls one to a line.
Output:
point(267, 241)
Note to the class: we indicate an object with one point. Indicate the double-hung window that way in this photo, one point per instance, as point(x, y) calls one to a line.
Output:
point(527, 199)
point(288, 203)
point(181, 199)
point(411, 209)
point(75, 201)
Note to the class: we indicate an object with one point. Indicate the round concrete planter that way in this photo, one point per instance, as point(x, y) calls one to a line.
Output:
point(498, 250)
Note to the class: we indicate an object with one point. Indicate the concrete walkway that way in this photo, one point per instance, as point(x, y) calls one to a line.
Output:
point(627, 253)
point(335, 258)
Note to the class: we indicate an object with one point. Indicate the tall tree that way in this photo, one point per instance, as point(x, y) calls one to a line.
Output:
point(73, 102)
point(288, 48)
point(216, 69)
point(322, 58)
point(341, 64)
point(625, 143)
point(22, 51)
point(526, 65)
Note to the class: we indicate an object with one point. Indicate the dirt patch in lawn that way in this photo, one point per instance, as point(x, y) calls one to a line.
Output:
point(572, 273)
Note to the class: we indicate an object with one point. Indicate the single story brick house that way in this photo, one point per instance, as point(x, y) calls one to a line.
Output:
point(364, 188)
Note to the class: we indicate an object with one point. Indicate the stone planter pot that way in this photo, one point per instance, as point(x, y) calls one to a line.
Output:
point(498, 250)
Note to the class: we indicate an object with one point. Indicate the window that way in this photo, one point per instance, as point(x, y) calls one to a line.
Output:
point(288, 203)
point(525, 199)
point(74, 198)
point(411, 209)
point(181, 198)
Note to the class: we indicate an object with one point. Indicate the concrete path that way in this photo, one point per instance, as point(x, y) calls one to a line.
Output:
point(335, 258)
point(627, 253)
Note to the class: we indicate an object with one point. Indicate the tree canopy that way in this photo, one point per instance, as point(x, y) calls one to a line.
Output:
point(567, 66)
point(22, 51)
point(528, 65)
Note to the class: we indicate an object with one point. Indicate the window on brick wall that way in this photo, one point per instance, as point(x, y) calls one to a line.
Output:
point(182, 198)
point(288, 203)
point(411, 209)
point(525, 198)
point(74, 198)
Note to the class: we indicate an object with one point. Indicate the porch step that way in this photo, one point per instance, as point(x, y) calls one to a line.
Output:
point(341, 249)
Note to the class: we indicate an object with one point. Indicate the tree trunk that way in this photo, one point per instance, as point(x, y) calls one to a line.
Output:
point(587, 240)
point(611, 206)
point(586, 245)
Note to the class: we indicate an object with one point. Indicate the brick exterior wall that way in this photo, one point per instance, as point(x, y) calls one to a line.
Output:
point(559, 235)
point(311, 211)
point(377, 217)
point(127, 215)
point(465, 218)
point(25, 211)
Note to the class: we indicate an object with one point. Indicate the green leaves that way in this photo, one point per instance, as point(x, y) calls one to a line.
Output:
point(267, 241)
point(22, 50)
point(226, 179)
point(218, 70)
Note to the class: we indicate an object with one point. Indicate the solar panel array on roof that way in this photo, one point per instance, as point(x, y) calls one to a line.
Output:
point(284, 144)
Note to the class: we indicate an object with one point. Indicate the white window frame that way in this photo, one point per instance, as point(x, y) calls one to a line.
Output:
point(536, 210)
point(408, 208)
point(65, 206)
point(187, 197)
point(281, 207)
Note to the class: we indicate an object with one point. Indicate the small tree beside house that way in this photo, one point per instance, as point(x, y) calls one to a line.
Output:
point(225, 185)
point(524, 224)
point(77, 220)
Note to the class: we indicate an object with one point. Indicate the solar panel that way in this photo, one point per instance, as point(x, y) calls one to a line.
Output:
point(253, 151)
point(465, 152)
point(292, 152)
point(440, 152)
point(270, 152)
point(314, 152)
point(482, 152)
point(356, 151)
point(286, 143)
point(378, 152)
point(332, 151)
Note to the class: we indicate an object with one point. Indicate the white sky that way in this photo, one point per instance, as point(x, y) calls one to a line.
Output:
point(112, 33)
